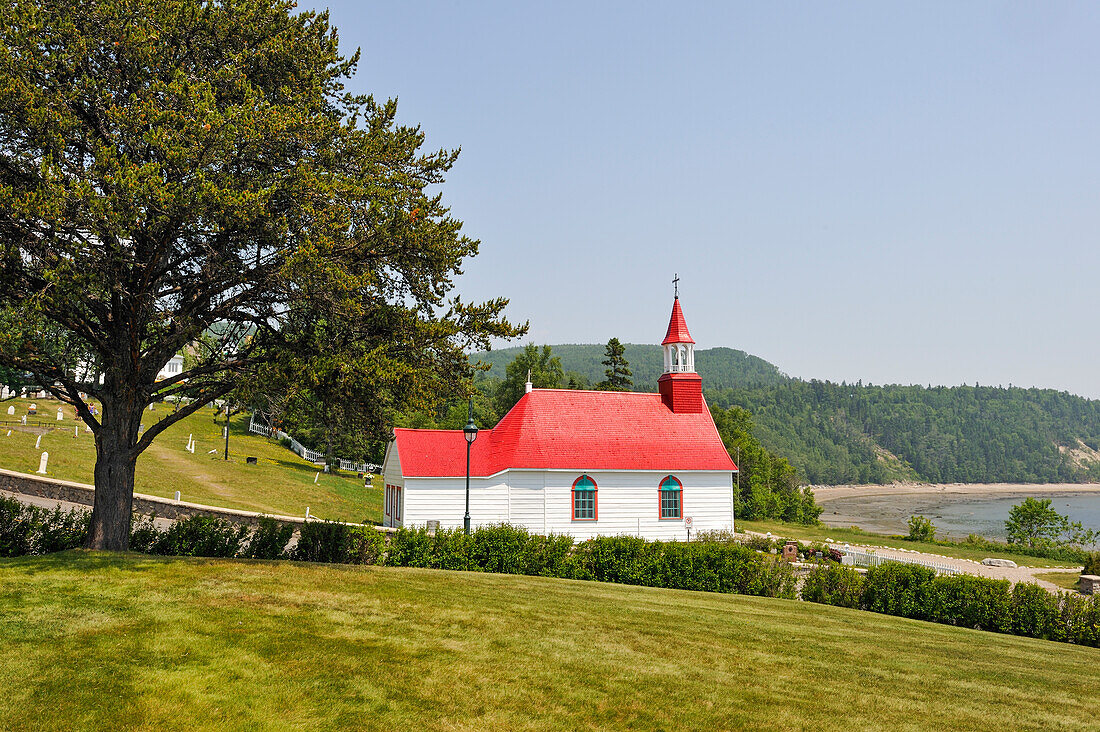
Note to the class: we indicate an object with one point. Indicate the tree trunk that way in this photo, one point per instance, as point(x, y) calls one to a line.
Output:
point(114, 476)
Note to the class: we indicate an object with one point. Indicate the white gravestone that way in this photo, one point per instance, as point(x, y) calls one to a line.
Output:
point(38, 442)
point(42, 463)
point(23, 419)
point(60, 414)
point(11, 411)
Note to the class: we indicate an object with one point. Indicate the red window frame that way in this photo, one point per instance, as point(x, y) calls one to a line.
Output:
point(595, 499)
point(660, 490)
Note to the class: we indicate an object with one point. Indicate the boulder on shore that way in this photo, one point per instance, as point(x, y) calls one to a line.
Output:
point(990, 562)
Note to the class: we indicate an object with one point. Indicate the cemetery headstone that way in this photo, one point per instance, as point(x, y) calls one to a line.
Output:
point(38, 442)
point(42, 463)
point(11, 411)
point(60, 414)
point(32, 409)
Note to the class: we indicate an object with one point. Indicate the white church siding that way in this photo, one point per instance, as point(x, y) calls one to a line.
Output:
point(541, 501)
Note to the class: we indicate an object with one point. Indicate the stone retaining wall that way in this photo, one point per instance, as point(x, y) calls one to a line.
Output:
point(63, 490)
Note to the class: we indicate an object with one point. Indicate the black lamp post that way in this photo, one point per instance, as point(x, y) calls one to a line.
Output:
point(470, 432)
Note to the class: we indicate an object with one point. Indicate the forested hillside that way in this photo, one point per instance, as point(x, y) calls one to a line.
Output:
point(718, 367)
point(856, 433)
point(842, 433)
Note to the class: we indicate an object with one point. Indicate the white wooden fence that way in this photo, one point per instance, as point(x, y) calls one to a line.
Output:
point(313, 456)
point(857, 558)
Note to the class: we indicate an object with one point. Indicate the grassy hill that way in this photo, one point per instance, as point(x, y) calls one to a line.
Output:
point(279, 483)
point(90, 641)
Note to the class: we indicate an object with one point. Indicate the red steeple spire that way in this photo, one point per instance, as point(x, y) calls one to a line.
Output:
point(677, 326)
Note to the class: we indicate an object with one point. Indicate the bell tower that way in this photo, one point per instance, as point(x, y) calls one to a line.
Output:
point(681, 388)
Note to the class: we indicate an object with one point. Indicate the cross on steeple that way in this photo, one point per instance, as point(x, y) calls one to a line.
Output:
point(676, 285)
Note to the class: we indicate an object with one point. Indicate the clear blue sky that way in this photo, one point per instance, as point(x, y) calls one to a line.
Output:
point(899, 193)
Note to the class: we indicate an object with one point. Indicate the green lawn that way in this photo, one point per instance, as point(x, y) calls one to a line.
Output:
point(127, 642)
point(858, 536)
point(1065, 580)
point(280, 482)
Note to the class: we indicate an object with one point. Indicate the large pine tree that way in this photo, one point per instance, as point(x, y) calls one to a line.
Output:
point(193, 175)
point(618, 369)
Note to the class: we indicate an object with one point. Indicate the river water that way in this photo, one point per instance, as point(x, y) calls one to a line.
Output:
point(954, 515)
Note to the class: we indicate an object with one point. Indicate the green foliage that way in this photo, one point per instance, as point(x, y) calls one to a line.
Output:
point(832, 584)
point(545, 369)
point(768, 484)
point(28, 529)
point(718, 367)
point(1091, 563)
point(618, 372)
point(268, 541)
point(1035, 612)
point(200, 536)
point(180, 174)
point(1035, 524)
point(972, 602)
point(921, 529)
point(1066, 553)
point(856, 433)
point(899, 589)
point(339, 543)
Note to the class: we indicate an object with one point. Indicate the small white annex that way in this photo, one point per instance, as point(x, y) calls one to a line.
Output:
point(581, 463)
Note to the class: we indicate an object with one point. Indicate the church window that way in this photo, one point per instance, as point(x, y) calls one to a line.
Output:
point(671, 498)
point(584, 499)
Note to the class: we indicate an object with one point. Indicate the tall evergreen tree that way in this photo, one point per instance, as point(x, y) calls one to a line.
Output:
point(618, 369)
point(179, 168)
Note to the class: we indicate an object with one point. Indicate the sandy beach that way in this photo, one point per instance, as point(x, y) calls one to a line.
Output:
point(887, 508)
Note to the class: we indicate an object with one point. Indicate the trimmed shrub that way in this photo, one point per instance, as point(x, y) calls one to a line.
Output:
point(201, 536)
point(59, 530)
point(971, 602)
point(28, 529)
point(16, 527)
point(1092, 563)
point(268, 540)
point(1079, 620)
point(1034, 612)
point(365, 545)
point(323, 541)
point(832, 584)
point(143, 534)
point(898, 589)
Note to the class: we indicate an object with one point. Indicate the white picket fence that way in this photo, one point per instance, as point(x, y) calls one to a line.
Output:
point(313, 456)
point(857, 558)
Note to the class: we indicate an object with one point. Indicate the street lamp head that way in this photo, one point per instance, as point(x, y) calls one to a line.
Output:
point(470, 430)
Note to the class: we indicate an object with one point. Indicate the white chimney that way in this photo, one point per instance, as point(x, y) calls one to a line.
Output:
point(527, 387)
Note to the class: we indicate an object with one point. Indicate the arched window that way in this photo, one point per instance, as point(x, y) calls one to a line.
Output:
point(670, 498)
point(584, 499)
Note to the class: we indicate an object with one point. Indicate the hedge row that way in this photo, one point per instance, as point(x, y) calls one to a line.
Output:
point(709, 566)
point(712, 566)
point(912, 591)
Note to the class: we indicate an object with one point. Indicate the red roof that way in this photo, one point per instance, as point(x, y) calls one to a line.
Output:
point(677, 327)
point(572, 430)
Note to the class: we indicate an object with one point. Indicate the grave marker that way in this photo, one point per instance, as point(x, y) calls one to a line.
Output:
point(42, 463)
point(38, 442)
point(60, 414)
point(11, 411)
